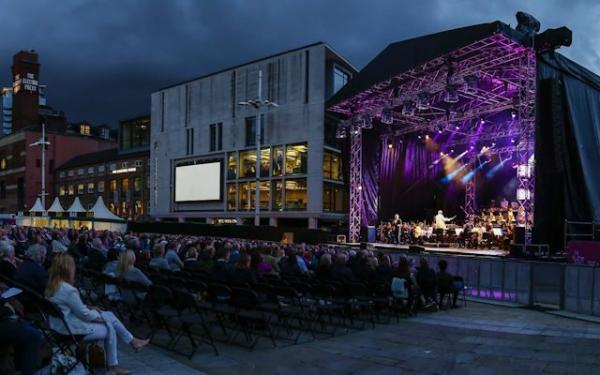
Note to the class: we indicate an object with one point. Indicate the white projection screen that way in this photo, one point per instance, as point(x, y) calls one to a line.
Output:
point(198, 182)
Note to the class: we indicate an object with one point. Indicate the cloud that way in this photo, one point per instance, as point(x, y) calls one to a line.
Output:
point(101, 60)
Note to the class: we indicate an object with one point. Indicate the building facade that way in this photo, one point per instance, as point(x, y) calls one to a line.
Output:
point(301, 171)
point(120, 174)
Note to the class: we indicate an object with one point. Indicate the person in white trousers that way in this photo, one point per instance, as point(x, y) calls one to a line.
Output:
point(92, 322)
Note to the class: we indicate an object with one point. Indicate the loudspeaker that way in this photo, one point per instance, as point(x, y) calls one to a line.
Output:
point(519, 235)
point(415, 249)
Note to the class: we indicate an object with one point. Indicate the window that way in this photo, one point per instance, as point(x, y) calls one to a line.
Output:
point(61, 174)
point(71, 173)
point(231, 166)
point(251, 130)
point(101, 169)
point(84, 129)
point(189, 141)
point(90, 187)
point(112, 167)
point(80, 189)
point(62, 190)
point(231, 197)
point(295, 194)
point(90, 170)
point(277, 161)
point(80, 172)
point(137, 163)
point(125, 192)
point(71, 190)
point(248, 195)
point(216, 136)
point(105, 133)
point(295, 159)
point(306, 74)
point(265, 162)
point(100, 186)
point(124, 165)
point(137, 186)
point(134, 133)
point(340, 78)
point(277, 193)
point(112, 189)
point(3, 163)
point(246, 198)
point(247, 163)
point(332, 165)
point(334, 197)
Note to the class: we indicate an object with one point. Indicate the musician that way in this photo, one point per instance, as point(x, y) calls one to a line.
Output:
point(397, 223)
point(504, 204)
point(440, 220)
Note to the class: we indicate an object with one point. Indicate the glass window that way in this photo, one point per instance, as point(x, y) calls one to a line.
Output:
point(246, 198)
point(137, 184)
point(265, 159)
point(215, 136)
point(100, 186)
point(113, 167)
point(231, 197)
point(277, 161)
point(80, 171)
point(114, 193)
point(62, 190)
point(265, 193)
point(134, 133)
point(332, 165)
point(71, 173)
point(334, 197)
point(295, 194)
point(247, 163)
point(90, 187)
point(340, 78)
point(248, 195)
point(277, 193)
point(71, 190)
point(61, 174)
point(295, 159)
point(80, 189)
point(90, 170)
point(125, 191)
point(231, 166)
point(3, 163)
point(101, 169)
point(251, 130)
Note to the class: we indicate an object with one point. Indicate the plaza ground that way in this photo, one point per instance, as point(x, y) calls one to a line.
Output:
point(477, 339)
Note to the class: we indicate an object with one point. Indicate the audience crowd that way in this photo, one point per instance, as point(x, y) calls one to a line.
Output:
point(44, 260)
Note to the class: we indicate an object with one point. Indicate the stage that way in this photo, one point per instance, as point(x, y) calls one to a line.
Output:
point(432, 248)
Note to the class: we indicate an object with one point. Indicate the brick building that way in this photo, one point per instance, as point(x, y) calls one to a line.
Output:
point(120, 175)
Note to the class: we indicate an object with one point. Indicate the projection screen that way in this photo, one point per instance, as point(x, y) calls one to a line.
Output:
point(198, 182)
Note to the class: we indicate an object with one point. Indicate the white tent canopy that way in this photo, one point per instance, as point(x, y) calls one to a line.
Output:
point(101, 212)
point(56, 206)
point(76, 206)
point(37, 206)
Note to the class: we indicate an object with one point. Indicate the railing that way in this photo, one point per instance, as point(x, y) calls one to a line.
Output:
point(581, 230)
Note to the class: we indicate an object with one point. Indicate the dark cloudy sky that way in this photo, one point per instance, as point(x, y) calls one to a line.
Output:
point(101, 59)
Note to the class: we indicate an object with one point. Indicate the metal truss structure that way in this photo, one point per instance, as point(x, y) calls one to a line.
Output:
point(452, 93)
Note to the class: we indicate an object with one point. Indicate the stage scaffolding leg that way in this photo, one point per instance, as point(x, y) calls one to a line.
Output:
point(526, 146)
point(355, 184)
point(470, 193)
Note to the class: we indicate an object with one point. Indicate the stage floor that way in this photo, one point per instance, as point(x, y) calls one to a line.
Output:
point(443, 250)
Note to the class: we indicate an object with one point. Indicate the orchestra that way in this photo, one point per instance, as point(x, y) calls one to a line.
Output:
point(488, 228)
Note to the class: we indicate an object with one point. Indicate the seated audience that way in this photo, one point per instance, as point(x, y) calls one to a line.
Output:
point(259, 265)
point(8, 262)
point(289, 266)
point(445, 284)
point(191, 260)
point(427, 281)
point(221, 269)
point(340, 271)
point(175, 263)
point(91, 322)
point(323, 271)
point(384, 271)
point(127, 270)
point(158, 260)
point(31, 272)
point(241, 272)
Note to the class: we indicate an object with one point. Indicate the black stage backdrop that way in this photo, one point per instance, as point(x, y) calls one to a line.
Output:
point(567, 147)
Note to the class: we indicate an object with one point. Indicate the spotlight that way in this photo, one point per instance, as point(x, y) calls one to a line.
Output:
point(452, 151)
point(387, 117)
point(451, 94)
point(419, 136)
point(470, 84)
point(482, 122)
point(408, 108)
point(457, 127)
point(390, 144)
point(493, 144)
point(427, 136)
point(442, 153)
point(512, 140)
point(423, 101)
point(513, 114)
point(340, 132)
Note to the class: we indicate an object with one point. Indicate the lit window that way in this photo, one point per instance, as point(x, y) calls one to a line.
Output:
point(90, 187)
point(251, 130)
point(295, 159)
point(101, 169)
point(80, 171)
point(113, 167)
point(334, 198)
point(71, 173)
point(277, 161)
point(247, 193)
point(61, 174)
point(100, 186)
point(137, 163)
point(231, 197)
point(3, 164)
point(80, 189)
point(231, 166)
point(296, 194)
point(90, 170)
point(84, 129)
point(62, 190)
point(332, 165)
point(277, 193)
point(247, 163)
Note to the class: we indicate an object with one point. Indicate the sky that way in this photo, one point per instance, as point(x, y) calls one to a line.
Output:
point(101, 59)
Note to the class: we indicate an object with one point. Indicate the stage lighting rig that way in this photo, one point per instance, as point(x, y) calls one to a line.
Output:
point(527, 24)
point(387, 116)
point(423, 101)
point(553, 38)
point(408, 108)
point(451, 94)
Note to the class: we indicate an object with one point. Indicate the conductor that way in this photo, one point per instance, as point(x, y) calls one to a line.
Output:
point(440, 220)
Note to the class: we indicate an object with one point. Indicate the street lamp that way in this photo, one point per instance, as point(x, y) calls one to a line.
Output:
point(257, 104)
point(43, 143)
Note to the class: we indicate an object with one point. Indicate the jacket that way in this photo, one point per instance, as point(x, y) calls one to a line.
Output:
point(76, 314)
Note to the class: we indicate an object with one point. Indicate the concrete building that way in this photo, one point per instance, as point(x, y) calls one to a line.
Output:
point(119, 174)
point(302, 180)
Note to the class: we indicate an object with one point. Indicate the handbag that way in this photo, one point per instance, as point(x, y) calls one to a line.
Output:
point(96, 356)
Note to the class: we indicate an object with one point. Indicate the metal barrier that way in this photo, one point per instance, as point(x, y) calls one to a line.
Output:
point(571, 287)
point(581, 230)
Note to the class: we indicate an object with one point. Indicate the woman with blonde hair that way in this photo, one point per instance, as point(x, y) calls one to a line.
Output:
point(91, 322)
point(127, 270)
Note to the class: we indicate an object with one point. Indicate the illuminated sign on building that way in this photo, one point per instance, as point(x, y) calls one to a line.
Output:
point(29, 83)
point(124, 170)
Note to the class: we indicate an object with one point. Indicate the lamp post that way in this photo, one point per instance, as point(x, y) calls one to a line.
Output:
point(43, 143)
point(257, 104)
